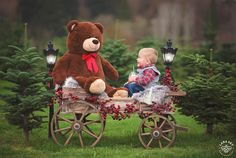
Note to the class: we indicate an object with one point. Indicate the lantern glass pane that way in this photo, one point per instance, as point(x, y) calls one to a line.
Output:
point(168, 57)
point(51, 59)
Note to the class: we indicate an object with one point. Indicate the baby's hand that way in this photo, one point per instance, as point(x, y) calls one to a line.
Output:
point(132, 78)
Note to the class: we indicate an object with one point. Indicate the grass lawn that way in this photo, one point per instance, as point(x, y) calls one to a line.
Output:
point(119, 139)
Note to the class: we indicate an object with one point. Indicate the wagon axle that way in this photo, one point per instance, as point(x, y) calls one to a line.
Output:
point(77, 126)
point(156, 133)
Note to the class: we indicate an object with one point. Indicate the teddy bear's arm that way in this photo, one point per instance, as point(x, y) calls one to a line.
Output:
point(59, 73)
point(109, 70)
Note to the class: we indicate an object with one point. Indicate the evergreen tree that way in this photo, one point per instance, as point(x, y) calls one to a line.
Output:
point(11, 33)
point(116, 53)
point(29, 96)
point(227, 52)
point(5, 89)
point(209, 91)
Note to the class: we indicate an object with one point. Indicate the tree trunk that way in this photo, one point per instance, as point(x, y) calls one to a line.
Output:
point(26, 135)
point(209, 129)
point(25, 130)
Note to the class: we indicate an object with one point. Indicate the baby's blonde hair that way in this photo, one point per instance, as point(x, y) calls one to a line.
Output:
point(150, 54)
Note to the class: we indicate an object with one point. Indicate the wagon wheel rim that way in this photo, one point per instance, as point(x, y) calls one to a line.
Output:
point(156, 130)
point(171, 119)
point(74, 126)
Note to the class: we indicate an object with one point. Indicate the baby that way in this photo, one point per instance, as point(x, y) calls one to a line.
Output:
point(147, 74)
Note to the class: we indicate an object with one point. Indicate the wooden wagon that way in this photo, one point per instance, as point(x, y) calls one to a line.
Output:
point(84, 115)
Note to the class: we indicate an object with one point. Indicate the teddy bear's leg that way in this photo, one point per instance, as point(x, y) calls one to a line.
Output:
point(97, 87)
point(116, 92)
point(94, 85)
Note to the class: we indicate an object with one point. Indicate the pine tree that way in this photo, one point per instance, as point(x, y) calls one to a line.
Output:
point(24, 109)
point(209, 91)
point(5, 89)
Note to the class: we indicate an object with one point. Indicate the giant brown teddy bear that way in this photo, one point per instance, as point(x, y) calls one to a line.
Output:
point(83, 63)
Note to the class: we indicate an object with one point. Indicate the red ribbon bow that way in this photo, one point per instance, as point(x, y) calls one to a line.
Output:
point(90, 62)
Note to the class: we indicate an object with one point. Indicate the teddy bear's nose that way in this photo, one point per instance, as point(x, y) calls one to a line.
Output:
point(95, 41)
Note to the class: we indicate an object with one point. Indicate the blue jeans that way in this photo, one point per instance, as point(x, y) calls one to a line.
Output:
point(133, 88)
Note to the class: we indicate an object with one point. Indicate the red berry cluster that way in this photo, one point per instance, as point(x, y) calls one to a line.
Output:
point(114, 111)
point(160, 108)
point(130, 108)
point(102, 107)
point(104, 110)
point(92, 99)
point(143, 115)
point(59, 94)
point(167, 80)
point(52, 101)
point(73, 97)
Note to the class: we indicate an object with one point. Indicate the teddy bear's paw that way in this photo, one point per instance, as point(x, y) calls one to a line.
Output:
point(120, 94)
point(97, 87)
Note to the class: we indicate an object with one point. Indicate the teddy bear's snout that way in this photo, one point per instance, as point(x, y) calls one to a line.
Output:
point(91, 44)
point(95, 41)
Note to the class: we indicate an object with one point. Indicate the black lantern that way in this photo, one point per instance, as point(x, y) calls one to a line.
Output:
point(51, 55)
point(168, 53)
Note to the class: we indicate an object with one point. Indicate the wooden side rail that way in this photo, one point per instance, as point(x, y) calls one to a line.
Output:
point(178, 93)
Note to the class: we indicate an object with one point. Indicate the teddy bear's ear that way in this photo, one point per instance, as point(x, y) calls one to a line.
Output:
point(99, 26)
point(71, 24)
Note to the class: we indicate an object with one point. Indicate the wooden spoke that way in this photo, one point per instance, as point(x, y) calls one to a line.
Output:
point(69, 138)
point(162, 124)
point(145, 134)
point(67, 132)
point(159, 142)
point(168, 130)
point(90, 133)
point(65, 119)
point(149, 143)
point(87, 120)
point(171, 118)
point(85, 112)
point(92, 121)
point(155, 122)
point(89, 129)
point(62, 129)
point(166, 138)
point(74, 114)
point(80, 139)
point(147, 126)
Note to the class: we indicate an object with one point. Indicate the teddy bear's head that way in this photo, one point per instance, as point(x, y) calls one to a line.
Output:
point(84, 37)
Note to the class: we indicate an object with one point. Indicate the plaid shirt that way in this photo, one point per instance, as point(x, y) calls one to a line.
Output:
point(147, 77)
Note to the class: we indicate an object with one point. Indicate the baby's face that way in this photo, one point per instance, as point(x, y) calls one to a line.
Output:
point(142, 60)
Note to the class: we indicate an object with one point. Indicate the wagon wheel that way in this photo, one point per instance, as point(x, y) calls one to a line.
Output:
point(154, 134)
point(171, 118)
point(87, 125)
